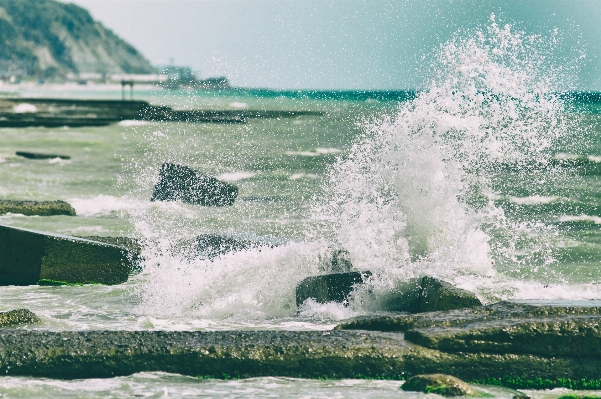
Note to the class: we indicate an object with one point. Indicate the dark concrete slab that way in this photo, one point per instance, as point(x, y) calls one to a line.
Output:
point(29, 256)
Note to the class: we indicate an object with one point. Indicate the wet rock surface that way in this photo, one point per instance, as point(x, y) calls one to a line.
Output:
point(18, 317)
point(334, 287)
point(40, 208)
point(441, 384)
point(242, 354)
point(505, 310)
point(37, 155)
point(419, 295)
point(181, 183)
point(29, 257)
point(557, 336)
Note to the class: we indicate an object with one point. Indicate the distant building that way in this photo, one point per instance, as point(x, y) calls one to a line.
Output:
point(178, 73)
point(184, 77)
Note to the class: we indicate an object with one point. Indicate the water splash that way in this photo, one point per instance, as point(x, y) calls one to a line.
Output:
point(415, 195)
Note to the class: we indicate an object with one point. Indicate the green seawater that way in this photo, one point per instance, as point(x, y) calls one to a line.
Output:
point(283, 168)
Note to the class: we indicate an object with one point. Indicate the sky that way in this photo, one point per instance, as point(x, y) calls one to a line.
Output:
point(342, 44)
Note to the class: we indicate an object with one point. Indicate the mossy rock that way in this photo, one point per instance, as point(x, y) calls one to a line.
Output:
point(441, 384)
point(18, 317)
point(39, 208)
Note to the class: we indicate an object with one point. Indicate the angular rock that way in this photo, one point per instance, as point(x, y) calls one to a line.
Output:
point(441, 384)
point(40, 208)
point(181, 183)
point(36, 155)
point(329, 287)
point(18, 317)
point(439, 295)
point(29, 257)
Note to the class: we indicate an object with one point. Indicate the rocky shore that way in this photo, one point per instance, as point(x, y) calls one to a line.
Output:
point(509, 343)
point(50, 112)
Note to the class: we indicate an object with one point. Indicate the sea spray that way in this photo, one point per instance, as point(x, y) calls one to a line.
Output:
point(416, 194)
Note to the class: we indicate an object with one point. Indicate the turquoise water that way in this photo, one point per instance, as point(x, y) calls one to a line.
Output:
point(487, 178)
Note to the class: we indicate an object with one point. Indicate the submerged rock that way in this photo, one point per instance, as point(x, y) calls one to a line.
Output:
point(29, 257)
point(181, 183)
point(36, 155)
point(441, 384)
point(329, 287)
point(40, 208)
point(18, 317)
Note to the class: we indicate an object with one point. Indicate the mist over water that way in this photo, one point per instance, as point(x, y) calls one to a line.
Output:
point(418, 193)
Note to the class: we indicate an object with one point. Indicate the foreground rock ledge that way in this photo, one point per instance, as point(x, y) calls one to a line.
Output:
point(241, 354)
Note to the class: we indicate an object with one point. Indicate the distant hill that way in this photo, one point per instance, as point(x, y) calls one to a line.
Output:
point(45, 38)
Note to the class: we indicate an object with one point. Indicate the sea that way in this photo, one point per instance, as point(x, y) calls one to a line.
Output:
point(487, 176)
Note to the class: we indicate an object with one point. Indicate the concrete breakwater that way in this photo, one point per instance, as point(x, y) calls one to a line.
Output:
point(341, 353)
point(49, 112)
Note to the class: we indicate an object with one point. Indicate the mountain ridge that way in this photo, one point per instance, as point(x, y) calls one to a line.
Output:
point(49, 39)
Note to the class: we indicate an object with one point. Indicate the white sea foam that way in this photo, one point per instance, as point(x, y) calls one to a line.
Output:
point(580, 218)
point(594, 158)
point(533, 200)
point(59, 161)
point(296, 176)
point(317, 152)
point(130, 123)
point(103, 205)
point(25, 108)
point(235, 176)
point(564, 156)
point(238, 105)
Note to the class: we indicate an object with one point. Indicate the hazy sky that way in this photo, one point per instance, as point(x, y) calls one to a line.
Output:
point(322, 44)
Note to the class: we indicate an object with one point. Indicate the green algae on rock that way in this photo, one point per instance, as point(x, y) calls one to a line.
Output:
point(28, 256)
point(18, 317)
point(40, 208)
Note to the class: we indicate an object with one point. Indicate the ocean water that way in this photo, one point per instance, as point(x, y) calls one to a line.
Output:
point(488, 177)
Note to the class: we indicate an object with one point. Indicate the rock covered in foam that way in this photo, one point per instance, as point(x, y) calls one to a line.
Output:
point(334, 287)
point(40, 208)
point(424, 295)
point(441, 384)
point(181, 183)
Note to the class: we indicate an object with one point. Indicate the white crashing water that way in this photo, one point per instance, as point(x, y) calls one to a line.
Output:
point(414, 196)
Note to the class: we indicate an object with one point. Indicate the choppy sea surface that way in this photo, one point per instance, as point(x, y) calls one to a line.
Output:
point(488, 177)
